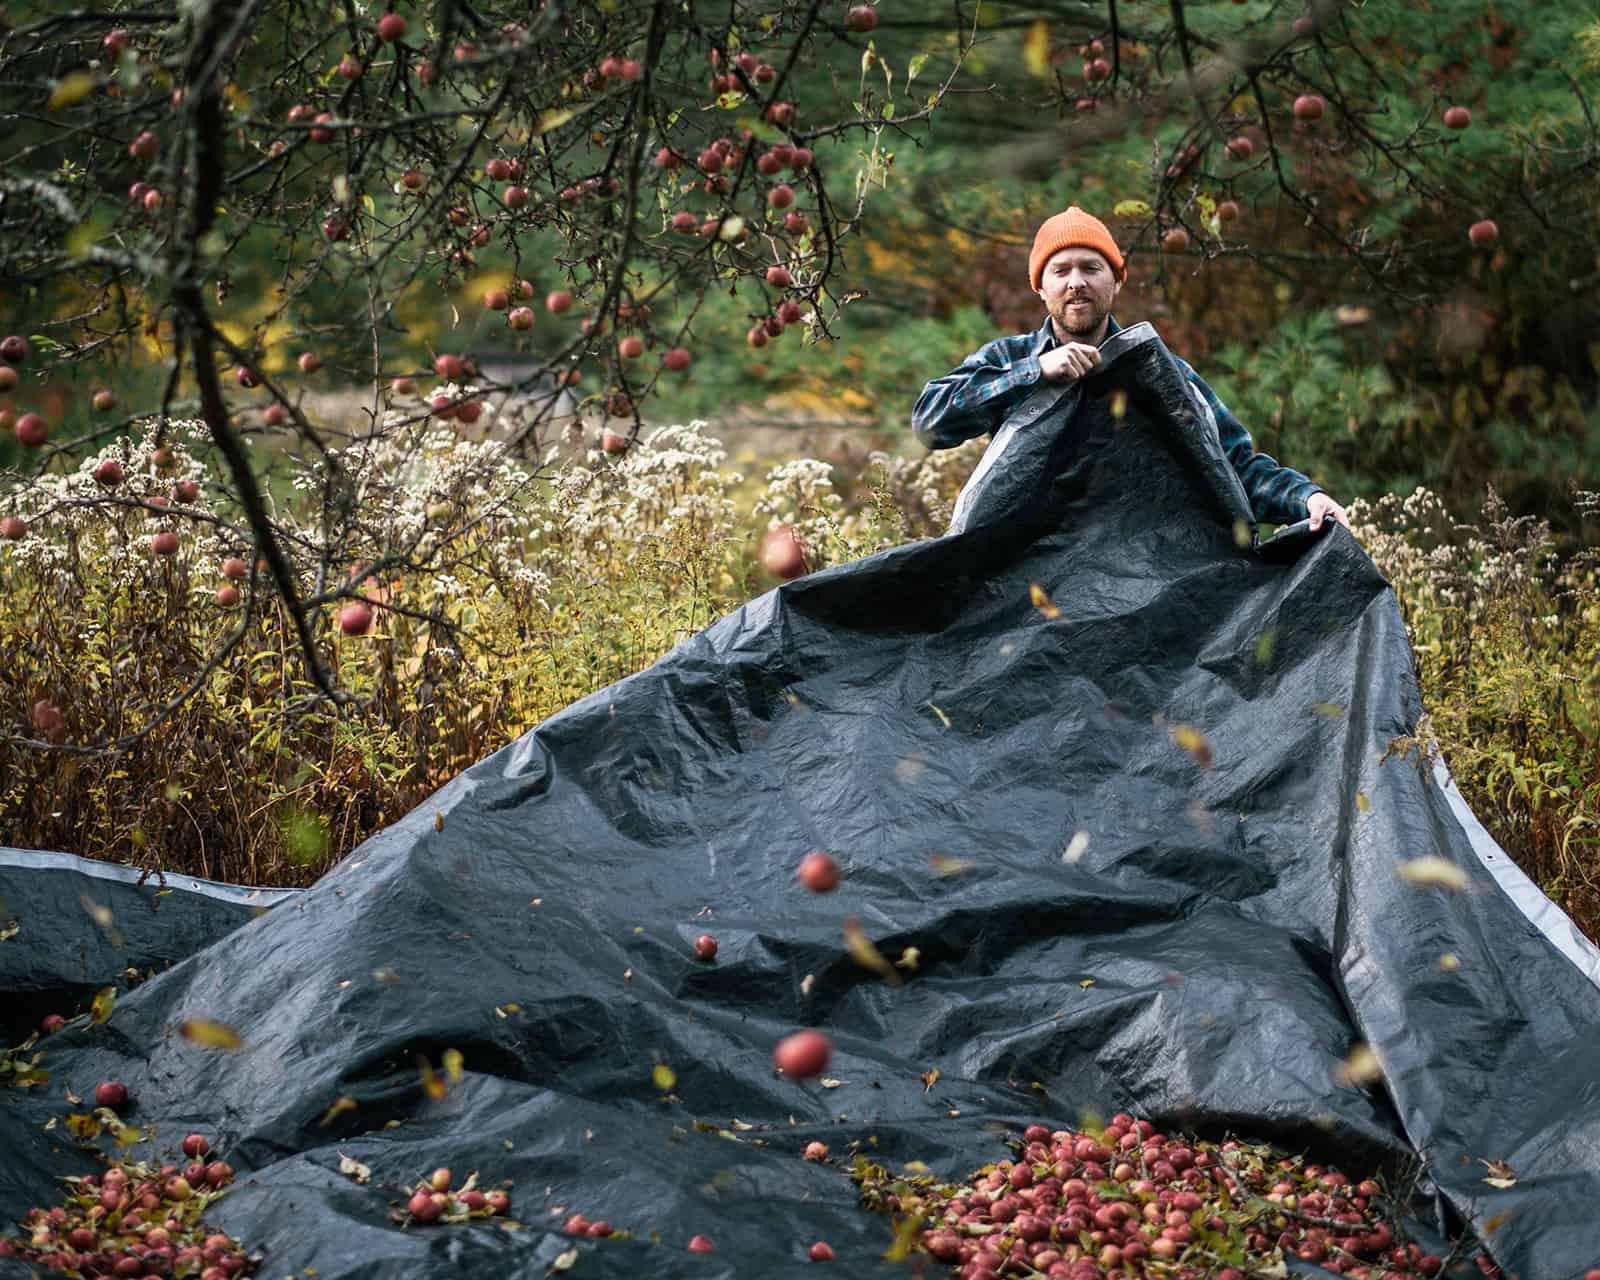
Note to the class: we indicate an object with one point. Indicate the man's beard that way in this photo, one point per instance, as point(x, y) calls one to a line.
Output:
point(1084, 321)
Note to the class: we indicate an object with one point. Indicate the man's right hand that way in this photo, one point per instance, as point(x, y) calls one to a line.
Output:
point(1069, 362)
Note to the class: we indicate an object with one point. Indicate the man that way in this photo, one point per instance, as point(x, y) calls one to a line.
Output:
point(1077, 271)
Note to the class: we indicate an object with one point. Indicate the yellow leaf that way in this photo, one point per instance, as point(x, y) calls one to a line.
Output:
point(210, 1035)
point(100, 1007)
point(1075, 847)
point(553, 119)
point(339, 1107)
point(1495, 1223)
point(565, 1261)
point(1330, 709)
point(929, 1079)
point(1194, 742)
point(1086, 983)
point(910, 958)
point(126, 1135)
point(453, 1065)
point(70, 89)
point(432, 1085)
point(1433, 872)
point(1265, 644)
point(865, 954)
point(1042, 602)
point(943, 719)
point(942, 864)
point(1362, 803)
point(664, 1076)
point(1449, 962)
point(828, 1082)
point(1129, 209)
point(1036, 49)
point(907, 1234)
point(83, 1127)
point(1360, 1067)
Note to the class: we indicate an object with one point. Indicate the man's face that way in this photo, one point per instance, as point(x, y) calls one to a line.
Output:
point(1078, 287)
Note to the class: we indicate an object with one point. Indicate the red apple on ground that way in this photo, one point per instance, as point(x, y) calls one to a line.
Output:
point(499, 1201)
point(195, 1145)
point(441, 1179)
point(822, 1251)
point(816, 1152)
point(52, 1023)
point(422, 1207)
point(1480, 233)
point(705, 947)
point(1457, 118)
point(111, 1093)
point(818, 872)
point(1309, 107)
point(391, 27)
point(677, 359)
point(782, 553)
point(803, 1055)
point(701, 1244)
point(355, 619)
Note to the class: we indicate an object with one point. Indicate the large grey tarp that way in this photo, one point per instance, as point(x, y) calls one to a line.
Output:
point(1185, 830)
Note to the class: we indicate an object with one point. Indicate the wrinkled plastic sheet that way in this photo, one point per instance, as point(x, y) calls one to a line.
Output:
point(1230, 921)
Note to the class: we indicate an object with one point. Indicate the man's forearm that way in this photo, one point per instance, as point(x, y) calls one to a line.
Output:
point(972, 400)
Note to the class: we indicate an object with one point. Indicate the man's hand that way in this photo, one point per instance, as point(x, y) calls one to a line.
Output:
point(1069, 362)
point(1320, 507)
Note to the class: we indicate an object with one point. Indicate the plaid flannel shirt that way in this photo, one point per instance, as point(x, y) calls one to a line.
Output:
point(974, 398)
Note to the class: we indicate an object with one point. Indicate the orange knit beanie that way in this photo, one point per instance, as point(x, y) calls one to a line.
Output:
point(1073, 228)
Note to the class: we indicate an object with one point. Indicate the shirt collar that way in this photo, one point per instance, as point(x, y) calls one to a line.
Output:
point(1044, 337)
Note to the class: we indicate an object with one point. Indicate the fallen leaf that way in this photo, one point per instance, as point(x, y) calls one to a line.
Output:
point(101, 1006)
point(1086, 983)
point(664, 1076)
point(454, 1065)
point(1449, 962)
point(1362, 803)
point(865, 954)
point(1433, 872)
point(1075, 848)
point(909, 959)
point(943, 864)
point(828, 1082)
point(806, 983)
point(929, 1079)
point(944, 719)
point(1501, 1177)
point(210, 1035)
point(1266, 642)
point(1042, 602)
point(1495, 1223)
point(354, 1169)
point(1332, 710)
point(565, 1261)
point(1194, 742)
point(83, 1126)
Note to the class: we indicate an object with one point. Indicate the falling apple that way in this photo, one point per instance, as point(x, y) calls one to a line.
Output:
point(32, 430)
point(1480, 233)
point(818, 872)
point(164, 543)
point(803, 1055)
point(860, 18)
point(309, 362)
point(677, 359)
point(782, 553)
point(355, 619)
point(104, 401)
point(705, 947)
point(1457, 118)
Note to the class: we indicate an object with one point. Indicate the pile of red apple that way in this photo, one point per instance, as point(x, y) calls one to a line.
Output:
point(1130, 1202)
point(138, 1220)
point(436, 1200)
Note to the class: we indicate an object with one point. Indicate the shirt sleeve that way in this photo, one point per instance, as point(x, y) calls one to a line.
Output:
point(1277, 493)
point(974, 397)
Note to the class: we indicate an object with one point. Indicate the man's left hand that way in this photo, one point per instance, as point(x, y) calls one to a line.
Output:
point(1320, 507)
